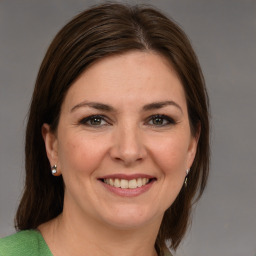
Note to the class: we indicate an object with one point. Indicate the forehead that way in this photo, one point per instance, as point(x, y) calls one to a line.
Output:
point(127, 78)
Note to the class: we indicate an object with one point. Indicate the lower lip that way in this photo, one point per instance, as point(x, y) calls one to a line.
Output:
point(127, 192)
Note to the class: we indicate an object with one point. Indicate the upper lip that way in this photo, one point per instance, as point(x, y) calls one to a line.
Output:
point(127, 177)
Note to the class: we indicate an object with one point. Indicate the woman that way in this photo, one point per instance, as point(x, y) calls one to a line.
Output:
point(117, 141)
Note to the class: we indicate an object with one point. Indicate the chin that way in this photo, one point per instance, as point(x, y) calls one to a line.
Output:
point(126, 219)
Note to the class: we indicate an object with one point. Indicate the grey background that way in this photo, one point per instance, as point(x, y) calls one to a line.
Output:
point(223, 34)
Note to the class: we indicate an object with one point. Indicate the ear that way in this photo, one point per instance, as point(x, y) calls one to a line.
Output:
point(193, 146)
point(51, 142)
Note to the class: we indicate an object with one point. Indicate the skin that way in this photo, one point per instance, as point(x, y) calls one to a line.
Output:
point(128, 140)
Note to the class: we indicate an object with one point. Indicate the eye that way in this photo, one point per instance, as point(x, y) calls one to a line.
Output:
point(160, 120)
point(95, 120)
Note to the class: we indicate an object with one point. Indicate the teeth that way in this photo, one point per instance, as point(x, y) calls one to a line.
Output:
point(111, 182)
point(139, 182)
point(122, 183)
point(132, 183)
point(117, 183)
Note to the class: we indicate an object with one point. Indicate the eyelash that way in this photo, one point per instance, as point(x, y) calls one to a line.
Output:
point(85, 121)
point(166, 120)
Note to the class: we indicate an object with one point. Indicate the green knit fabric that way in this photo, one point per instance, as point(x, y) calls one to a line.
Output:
point(28, 243)
point(24, 243)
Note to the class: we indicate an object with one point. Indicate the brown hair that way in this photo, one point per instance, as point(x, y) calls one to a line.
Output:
point(101, 31)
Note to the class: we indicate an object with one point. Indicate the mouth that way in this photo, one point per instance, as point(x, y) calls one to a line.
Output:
point(127, 184)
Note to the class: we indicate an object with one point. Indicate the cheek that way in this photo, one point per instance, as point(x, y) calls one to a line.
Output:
point(171, 154)
point(171, 157)
point(78, 155)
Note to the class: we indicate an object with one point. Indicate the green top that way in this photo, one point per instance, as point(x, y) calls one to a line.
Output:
point(27, 243)
point(24, 243)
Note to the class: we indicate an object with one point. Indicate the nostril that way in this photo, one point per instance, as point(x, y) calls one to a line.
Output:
point(127, 149)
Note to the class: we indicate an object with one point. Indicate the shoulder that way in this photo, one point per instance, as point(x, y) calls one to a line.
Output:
point(27, 242)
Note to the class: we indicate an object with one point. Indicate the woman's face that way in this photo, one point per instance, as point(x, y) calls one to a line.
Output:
point(123, 142)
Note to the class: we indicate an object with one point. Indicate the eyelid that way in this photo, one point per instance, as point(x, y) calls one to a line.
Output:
point(85, 120)
point(170, 120)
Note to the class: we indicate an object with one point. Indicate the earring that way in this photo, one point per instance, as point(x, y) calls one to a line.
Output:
point(54, 170)
point(186, 178)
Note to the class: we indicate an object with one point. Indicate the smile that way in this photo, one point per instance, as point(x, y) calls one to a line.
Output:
point(130, 184)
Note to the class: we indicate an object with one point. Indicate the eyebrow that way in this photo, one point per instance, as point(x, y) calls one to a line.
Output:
point(96, 105)
point(158, 105)
point(108, 108)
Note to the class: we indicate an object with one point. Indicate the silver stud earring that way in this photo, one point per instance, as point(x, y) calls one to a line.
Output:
point(54, 170)
point(186, 178)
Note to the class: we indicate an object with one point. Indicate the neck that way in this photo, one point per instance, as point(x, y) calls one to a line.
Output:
point(70, 235)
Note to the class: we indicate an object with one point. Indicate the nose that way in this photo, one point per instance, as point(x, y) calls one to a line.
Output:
point(128, 147)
